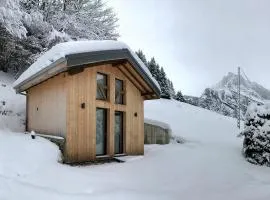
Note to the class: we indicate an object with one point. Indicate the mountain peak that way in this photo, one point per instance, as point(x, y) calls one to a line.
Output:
point(223, 97)
point(231, 74)
point(247, 88)
point(230, 81)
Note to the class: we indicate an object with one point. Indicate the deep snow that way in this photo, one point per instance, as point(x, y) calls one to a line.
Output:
point(12, 106)
point(208, 166)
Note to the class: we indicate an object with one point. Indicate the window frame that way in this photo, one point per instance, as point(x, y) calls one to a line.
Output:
point(105, 110)
point(122, 141)
point(106, 87)
point(122, 92)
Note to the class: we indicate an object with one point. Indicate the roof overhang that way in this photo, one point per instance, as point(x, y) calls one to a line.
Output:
point(53, 69)
point(83, 59)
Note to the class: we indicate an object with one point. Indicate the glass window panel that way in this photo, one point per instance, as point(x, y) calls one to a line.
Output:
point(101, 86)
point(118, 133)
point(101, 120)
point(119, 93)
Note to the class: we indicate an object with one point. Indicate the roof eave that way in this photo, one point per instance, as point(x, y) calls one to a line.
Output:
point(32, 80)
point(146, 77)
point(81, 59)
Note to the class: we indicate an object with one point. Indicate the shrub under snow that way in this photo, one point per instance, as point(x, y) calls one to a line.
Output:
point(256, 145)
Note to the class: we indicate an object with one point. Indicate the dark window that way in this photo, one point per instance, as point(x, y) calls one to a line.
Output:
point(102, 86)
point(101, 131)
point(119, 91)
point(118, 132)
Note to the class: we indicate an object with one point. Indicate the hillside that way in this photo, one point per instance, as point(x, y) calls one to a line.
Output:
point(223, 98)
point(12, 105)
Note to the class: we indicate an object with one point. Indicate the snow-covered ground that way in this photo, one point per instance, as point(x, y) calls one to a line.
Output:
point(208, 166)
point(12, 106)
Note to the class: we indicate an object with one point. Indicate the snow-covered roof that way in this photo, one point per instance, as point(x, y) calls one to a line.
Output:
point(61, 52)
point(157, 123)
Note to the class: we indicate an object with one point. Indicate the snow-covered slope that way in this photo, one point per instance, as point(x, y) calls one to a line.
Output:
point(12, 105)
point(208, 166)
point(222, 98)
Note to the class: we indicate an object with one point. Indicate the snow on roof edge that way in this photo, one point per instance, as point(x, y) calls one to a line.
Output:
point(157, 123)
point(61, 50)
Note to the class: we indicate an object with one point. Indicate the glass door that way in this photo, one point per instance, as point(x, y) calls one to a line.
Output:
point(118, 132)
point(101, 130)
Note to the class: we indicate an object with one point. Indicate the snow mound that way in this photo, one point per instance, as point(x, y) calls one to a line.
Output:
point(61, 50)
point(189, 121)
point(12, 105)
point(28, 154)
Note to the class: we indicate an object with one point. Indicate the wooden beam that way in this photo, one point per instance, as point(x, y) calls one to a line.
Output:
point(127, 69)
point(148, 93)
point(75, 70)
point(130, 78)
point(133, 76)
point(138, 76)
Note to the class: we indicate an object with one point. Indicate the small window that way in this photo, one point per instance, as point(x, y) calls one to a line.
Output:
point(119, 91)
point(101, 86)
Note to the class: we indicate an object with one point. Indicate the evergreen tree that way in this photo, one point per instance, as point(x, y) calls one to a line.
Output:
point(166, 85)
point(163, 82)
point(141, 55)
point(179, 97)
point(256, 144)
point(154, 68)
point(171, 88)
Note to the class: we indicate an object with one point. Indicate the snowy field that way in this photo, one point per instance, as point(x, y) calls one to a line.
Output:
point(208, 166)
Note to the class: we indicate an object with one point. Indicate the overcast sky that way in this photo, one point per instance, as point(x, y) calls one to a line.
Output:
point(199, 41)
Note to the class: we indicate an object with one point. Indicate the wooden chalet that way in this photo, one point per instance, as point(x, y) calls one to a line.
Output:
point(91, 93)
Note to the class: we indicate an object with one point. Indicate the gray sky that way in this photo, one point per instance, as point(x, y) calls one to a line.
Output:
point(199, 41)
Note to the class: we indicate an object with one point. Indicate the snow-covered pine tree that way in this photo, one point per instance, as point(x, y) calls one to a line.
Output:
point(13, 55)
point(165, 91)
point(154, 69)
point(166, 85)
point(141, 55)
point(256, 145)
point(171, 89)
point(179, 97)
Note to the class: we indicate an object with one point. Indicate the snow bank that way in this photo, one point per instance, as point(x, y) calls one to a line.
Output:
point(190, 121)
point(12, 105)
point(68, 48)
point(29, 153)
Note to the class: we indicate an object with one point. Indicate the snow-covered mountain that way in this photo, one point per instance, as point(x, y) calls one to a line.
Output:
point(222, 97)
